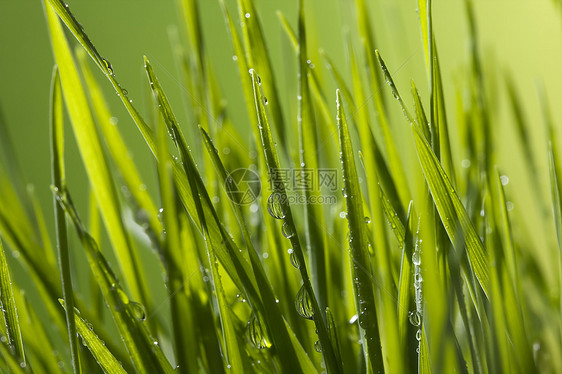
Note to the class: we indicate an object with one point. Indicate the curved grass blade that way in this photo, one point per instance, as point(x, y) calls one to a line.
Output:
point(117, 148)
point(405, 297)
point(361, 266)
point(144, 351)
point(59, 181)
point(272, 162)
point(93, 156)
point(9, 312)
point(278, 330)
point(103, 356)
point(451, 210)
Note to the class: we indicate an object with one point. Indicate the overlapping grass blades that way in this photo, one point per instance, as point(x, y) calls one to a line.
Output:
point(454, 285)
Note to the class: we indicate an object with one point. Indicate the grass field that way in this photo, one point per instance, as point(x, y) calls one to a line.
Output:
point(323, 198)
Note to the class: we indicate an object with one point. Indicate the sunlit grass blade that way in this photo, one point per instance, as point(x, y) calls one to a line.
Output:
point(103, 356)
point(117, 148)
point(93, 157)
point(451, 210)
point(257, 57)
point(405, 297)
point(9, 312)
point(59, 181)
point(358, 242)
point(144, 351)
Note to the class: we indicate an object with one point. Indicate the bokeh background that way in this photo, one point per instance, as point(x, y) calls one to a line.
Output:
point(522, 38)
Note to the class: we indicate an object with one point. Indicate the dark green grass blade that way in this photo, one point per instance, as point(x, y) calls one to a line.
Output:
point(9, 312)
point(314, 224)
point(103, 356)
point(278, 331)
point(231, 346)
point(93, 156)
point(59, 181)
point(272, 162)
point(361, 267)
point(451, 210)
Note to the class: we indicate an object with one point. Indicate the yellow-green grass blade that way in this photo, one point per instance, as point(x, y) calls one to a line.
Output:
point(290, 232)
point(358, 242)
point(93, 157)
point(103, 356)
point(451, 210)
point(59, 181)
point(279, 332)
point(405, 296)
point(144, 352)
point(117, 148)
point(41, 224)
point(420, 114)
point(257, 57)
point(315, 234)
point(9, 311)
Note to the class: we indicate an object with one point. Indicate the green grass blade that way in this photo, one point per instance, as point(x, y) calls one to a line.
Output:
point(144, 351)
point(117, 148)
point(13, 332)
point(257, 58)
point(103, 356)
point(59, 181)
point(93, 156)
point(279, 332)
point(290, 231)
point(361, 267)
point(451, 210)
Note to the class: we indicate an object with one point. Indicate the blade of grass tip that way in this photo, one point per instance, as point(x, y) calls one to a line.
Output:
point(103, 356)
point(43, 352)
point(306, 302)
point(93, 156)
point(144, 352)
point(420, 114)
point(236, 266)
point(451, 210)
point(59, 181)
point(117, 147)
point(306, 122)
point(278, 330)
point(232, 351)
point(358, 242)
point(13, 332)
point(257, 57)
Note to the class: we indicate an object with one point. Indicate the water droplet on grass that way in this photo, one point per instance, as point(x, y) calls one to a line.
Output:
point(318, 346)
point(418, 335)
point(414, 318)
point(287, 230)
point(294, 260)
point(247, 15)
point(256, 334)
point(303, 304)
point(138, 310)
point(274, 206)
point(107, 65)
point(367, 220)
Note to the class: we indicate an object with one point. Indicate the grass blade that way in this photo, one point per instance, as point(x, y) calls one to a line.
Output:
point(361, 267)
point(59, 181)
point(103, 356)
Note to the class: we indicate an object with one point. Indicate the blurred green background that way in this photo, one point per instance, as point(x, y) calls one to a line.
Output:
point(519, 37)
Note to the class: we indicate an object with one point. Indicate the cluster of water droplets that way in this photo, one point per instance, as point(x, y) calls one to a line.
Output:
point(416, 316)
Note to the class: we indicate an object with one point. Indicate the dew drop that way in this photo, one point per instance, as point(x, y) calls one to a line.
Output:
point(234, 58)
point(414, 318)
point(287, 230)
point(274, 206)
point(107, 65)
point(295, 260)
point(256, 334)
point(418, 335)
point(504, 180)
point(343, 214)
point(303, 304)
point(138, 310)
point(367, 220)
point(247, 15)
point(318, 346)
